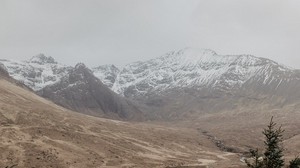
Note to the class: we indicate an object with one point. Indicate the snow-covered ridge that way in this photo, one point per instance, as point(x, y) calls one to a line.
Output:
point(190, 68)
point(42, 59)
point(186, 68)
point(37, 72)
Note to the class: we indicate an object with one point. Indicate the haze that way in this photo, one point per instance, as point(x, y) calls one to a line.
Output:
point(118, 32)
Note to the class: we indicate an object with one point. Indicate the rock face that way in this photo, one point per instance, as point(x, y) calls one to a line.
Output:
point(81, 91)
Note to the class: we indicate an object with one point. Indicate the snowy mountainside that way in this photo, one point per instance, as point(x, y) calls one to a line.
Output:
point(197, 69)
point(190, 82)
point(37, 72)
point(107, 74)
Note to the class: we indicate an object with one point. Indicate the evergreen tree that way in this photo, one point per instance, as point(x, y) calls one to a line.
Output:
point(273, 156)
point(257, 162)
point(295, 163)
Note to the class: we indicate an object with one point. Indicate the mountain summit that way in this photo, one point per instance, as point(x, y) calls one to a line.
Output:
point(191, 68)
point(42, 59)
point(200, 80)
point(37, 72)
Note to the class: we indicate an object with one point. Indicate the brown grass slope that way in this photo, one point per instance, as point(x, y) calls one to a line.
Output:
point(36, 133)
point(241, 128)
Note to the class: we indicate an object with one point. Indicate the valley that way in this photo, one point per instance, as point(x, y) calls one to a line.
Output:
point(37, 133)
point(149, 84)
point(190, 108)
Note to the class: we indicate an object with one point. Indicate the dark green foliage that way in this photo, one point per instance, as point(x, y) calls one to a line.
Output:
point(257, 162)
point(273, 153)
point(295, 163)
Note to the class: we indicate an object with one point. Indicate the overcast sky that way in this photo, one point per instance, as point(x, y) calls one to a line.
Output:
point(100, 32)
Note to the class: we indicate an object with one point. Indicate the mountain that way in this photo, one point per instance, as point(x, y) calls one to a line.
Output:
point(229, 98)
point(200, 80)
point(81, 91)
point(37, 133)
point(75, 88)
point(195, 68)
point(219, 104)
point(179, 84)
point(37, 72)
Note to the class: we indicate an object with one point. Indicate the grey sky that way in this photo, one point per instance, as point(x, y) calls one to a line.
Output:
point(100, 32)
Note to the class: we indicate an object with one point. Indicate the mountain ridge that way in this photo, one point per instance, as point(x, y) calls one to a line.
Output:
point(192, 82)
point(186, 68)
point(37, 72)
point(179, 82)
point(185, 60)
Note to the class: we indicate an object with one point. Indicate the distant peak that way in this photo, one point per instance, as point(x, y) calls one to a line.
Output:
point(107, 67)
point(80, 66)
point(42, 59)
point(204, 57)
point(192, 56)
point(202, 51)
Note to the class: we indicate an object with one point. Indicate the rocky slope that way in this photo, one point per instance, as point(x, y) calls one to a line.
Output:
point(81, 91)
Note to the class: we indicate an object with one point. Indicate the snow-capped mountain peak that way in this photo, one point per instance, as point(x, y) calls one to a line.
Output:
point(193, 55)
point(37, 72)
point(189, 68)
point(80, 66)
point(42, 59)
point(186, 68)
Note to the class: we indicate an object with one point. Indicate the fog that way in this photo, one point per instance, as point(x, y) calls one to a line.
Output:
point(118, 32)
